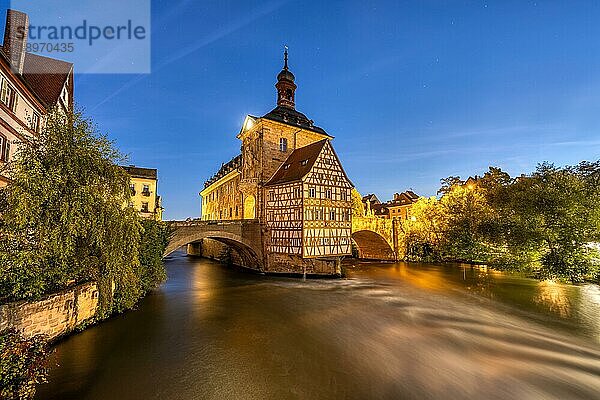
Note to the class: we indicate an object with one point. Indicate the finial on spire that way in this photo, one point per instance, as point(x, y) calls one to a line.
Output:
point(285, 57)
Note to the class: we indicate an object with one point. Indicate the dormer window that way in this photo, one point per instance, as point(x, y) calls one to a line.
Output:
point(304, 162)
point(286, 166)
point(283, 144)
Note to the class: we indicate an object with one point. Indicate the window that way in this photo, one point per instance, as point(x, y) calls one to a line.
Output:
point(271, 195)
point(145, 207)
point(332, 215)
point(3, 153)
point(283, 144)
point(146, 191)
point(303, 162)
point(344, 195)
point(311, 192)
point(35, 122)
point(236, 211)
point(230, 212)
point(328, 194)
point(132, 189)
point(286, 166)
point(8, 96)
point(297, 192)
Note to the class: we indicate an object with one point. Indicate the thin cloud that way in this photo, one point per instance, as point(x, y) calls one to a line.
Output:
point(203, 42)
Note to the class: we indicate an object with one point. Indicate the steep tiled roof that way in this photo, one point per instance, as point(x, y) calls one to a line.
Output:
point(372, 198)
point(290, 116)
point(46, 76)
point(380, 209)
point(298, 164)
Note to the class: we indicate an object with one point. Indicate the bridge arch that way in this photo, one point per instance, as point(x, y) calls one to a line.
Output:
point(372, 246)
point(247, 251)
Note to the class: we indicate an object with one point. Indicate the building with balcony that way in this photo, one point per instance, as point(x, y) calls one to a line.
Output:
point(144, 192)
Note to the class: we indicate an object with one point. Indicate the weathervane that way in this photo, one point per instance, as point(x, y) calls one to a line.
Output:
point(285, 56)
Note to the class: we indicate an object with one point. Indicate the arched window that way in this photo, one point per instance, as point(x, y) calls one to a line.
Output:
point(289, 94)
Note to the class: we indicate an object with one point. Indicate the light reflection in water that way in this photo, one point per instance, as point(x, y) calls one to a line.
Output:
point(554, 296)
point(389, 331)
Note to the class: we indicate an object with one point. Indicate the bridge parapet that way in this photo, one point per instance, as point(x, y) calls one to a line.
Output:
point(242, 235)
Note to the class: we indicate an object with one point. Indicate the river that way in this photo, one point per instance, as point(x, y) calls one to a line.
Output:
point(388, 331)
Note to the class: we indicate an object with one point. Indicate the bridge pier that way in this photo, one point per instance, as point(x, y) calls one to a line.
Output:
point(194, 249)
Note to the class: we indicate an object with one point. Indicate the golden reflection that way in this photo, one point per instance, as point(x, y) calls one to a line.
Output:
point(427, 279)
point(203, 285)
point(554, 296)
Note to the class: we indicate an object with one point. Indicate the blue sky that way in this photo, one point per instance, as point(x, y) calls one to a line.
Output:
point(413, 91)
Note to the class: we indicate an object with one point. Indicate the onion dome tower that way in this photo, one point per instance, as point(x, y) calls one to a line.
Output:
point(286, 88)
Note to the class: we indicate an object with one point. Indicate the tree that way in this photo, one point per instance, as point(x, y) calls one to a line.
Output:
point(358, 209)
point(555, 211)
point(64, 217)
point(423, 233)
point(449, 183)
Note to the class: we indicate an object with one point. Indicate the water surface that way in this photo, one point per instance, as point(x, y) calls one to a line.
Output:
point(390, 331)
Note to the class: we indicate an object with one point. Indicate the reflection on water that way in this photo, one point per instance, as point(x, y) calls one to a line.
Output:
point(388, 331)
point(573, 308)
point(554, 297)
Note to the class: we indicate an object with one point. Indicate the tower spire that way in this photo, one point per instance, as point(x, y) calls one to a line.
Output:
point(285, 85)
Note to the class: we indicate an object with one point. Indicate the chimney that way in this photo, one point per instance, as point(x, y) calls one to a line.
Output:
point(15, 39)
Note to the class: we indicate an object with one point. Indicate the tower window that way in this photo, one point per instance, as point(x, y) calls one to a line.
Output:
point(283, 144)
point(289, 94)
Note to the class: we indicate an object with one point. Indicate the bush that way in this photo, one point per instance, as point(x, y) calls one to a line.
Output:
point(22, 365)
point(153, 242)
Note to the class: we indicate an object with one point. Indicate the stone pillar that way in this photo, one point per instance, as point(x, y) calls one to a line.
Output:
point(194, 249)
point(396, 238)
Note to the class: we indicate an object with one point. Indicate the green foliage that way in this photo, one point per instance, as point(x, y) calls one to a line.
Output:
point(154, 241)
point(65, 220)
point(544, 223)
point(22, 365)
point(358, 209)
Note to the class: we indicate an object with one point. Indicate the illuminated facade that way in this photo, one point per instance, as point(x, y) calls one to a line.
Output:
point(31, 86)
point(399, 207)
point(287, 177)
point(144, 192)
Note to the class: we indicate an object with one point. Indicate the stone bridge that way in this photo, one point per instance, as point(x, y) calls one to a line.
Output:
point(244, 236)
point(374, 239)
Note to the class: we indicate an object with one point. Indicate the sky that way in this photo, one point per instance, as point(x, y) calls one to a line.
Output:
point(413, 91)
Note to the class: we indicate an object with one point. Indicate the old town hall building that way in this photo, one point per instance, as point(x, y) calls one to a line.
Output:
point(289, 178)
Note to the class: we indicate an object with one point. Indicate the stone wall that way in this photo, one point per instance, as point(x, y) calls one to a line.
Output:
point(54, 315)
point(289, 264)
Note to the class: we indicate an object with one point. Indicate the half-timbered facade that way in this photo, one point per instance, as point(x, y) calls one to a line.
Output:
point(308, 204)
point(289, 178)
